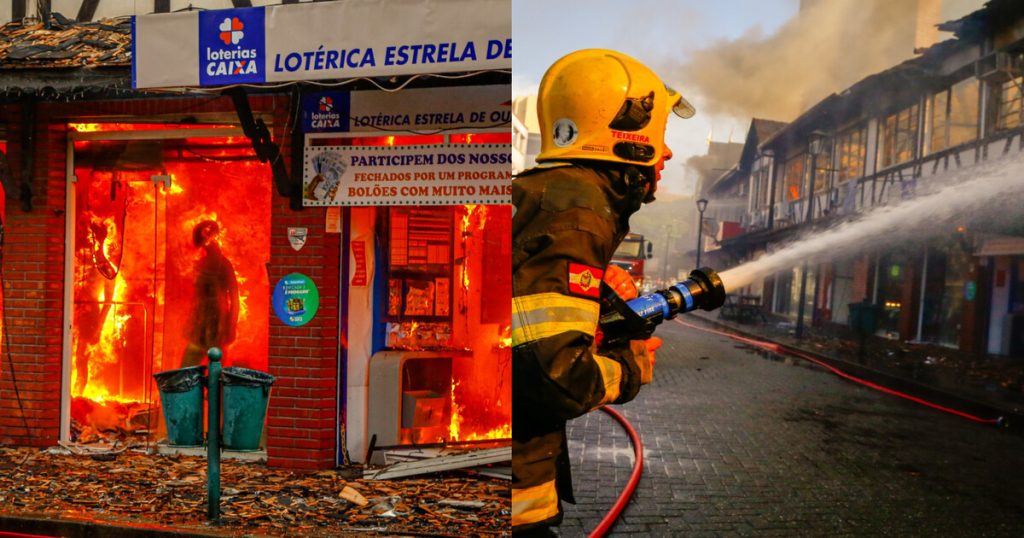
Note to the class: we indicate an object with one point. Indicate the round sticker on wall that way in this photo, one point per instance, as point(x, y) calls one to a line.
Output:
point(295, 299)
point(565, 132)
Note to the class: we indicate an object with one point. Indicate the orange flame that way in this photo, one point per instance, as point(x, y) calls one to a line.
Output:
point(456, 425)
point(125, 328)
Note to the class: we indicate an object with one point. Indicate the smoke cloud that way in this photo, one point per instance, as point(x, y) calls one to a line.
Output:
point(829, 46)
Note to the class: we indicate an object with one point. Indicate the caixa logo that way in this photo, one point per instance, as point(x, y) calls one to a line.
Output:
point(232, 46)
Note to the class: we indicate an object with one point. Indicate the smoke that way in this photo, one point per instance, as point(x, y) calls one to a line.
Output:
point(983, 191)
point(827, 47)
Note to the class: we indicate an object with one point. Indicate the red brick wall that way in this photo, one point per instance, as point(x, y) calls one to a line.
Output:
point(302, 418)
point(33, 290)
point(861, 288)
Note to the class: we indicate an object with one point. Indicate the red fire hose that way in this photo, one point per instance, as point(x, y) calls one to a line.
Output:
point(634, 477)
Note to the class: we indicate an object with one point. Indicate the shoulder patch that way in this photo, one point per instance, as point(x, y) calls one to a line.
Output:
point(585, 280)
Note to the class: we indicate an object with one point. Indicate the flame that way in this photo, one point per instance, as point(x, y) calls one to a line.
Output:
point(456, 420)
point(456, 425)
point(129, 327)
point(84, 127)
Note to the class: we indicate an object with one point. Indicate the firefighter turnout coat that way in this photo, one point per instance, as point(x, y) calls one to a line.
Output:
point(567, 221)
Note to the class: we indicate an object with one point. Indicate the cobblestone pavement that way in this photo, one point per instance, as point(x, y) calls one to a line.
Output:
point(741, 444)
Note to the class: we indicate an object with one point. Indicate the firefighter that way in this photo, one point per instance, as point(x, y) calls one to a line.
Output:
point(602, 119)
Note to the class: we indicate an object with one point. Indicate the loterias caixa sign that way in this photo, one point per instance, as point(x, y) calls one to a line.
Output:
point(319, 41)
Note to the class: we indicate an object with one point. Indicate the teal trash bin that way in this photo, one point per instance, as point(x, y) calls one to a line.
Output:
point(181, 398)
point(246, 393)
point(864, 317)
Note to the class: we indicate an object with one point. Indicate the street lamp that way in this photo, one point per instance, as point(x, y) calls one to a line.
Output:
point(817, 142)
point(702, 204)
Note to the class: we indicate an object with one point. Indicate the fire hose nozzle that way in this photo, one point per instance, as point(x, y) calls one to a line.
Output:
point(637, 318)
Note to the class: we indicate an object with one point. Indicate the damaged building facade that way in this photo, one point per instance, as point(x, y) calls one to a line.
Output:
point(892, 137)
point(356, 199)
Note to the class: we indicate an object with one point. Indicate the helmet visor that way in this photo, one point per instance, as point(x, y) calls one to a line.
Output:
point(680, 106)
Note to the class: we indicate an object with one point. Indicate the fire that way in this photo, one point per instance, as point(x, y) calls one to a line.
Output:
point(456, 420)
point(456, 424)
point(135, 266)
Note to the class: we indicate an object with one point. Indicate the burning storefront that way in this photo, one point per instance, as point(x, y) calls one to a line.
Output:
point(429, 271)
point(141, 192)
point(314, 231)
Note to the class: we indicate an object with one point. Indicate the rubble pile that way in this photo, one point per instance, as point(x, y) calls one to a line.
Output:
point(28, 43)
point(171, 491)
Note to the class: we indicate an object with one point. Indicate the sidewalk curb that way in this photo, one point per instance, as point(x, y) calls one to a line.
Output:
point(70, 528)
point(1012, 421)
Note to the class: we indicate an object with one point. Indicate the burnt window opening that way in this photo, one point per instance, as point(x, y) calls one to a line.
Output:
point(898, 137)
point(792, 185)
point(1008, 111)
point(852, 152)
point(953, 116)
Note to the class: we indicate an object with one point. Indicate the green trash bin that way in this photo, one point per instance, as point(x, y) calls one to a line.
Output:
point(864, 317)
point(246, 393)
point(181, 398)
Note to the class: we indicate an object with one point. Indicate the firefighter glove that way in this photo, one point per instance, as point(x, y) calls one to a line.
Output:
point(643, 352)
point(621, 282)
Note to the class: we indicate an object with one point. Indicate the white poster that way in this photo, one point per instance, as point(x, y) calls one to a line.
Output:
point(447, 174)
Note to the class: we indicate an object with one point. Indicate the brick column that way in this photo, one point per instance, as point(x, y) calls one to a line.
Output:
point(33, 268)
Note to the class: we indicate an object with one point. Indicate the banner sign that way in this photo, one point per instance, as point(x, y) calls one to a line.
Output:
point(446, 174)
point(422, 110)
point(319, 41)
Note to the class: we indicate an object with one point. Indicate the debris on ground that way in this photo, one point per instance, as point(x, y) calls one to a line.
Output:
point(255, 499)
point(441, 461)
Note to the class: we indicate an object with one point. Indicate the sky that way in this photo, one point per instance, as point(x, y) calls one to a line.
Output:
point(659, 33)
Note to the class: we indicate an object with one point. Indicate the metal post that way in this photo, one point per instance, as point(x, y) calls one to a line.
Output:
point(702, 204)
point(213, 436)
point(700, 235)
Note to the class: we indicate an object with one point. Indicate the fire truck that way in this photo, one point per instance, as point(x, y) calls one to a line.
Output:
point(631, 255)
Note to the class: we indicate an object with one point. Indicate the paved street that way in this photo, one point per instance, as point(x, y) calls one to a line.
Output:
point(740, 444)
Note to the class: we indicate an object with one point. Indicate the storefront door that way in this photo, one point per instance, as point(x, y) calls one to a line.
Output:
point(168, 237)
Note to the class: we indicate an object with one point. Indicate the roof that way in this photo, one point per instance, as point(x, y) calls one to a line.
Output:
point(68, 57)
point(992, 16)
point(764, 129)
point(760, 129)
point(66, 43)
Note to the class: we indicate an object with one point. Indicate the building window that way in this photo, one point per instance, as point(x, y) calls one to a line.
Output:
point(761, 179)
point(851, 145)
point(898, 137)
point(1008, 113)
point(793, 180)
point(943, 294)
point(953, 116)
point(822, 166)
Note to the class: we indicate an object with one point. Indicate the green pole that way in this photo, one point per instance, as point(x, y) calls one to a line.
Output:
point(213, 436)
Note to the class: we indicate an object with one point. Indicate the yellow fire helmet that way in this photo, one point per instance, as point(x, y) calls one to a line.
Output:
point(604, 105)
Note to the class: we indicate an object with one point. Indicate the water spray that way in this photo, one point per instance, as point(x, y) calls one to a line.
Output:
point(636, 319)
